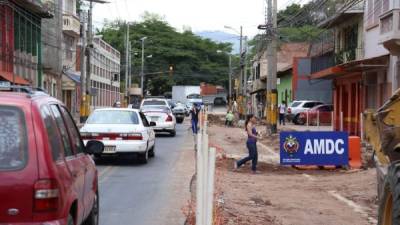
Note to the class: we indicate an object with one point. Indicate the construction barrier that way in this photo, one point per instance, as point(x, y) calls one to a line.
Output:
point(205, 170)
point(355, 152)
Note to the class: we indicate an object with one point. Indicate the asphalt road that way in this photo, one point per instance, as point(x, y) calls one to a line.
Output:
point(136, 194)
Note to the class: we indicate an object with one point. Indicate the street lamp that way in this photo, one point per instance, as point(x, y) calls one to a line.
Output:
point(230, 77)
point(142, 70)
point(243, 73)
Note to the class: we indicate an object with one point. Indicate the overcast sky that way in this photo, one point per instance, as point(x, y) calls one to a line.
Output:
point(200, 15)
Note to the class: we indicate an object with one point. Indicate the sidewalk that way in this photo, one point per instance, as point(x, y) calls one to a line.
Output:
point(285, 196)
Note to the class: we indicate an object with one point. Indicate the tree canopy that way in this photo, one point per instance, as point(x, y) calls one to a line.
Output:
point(194, 59)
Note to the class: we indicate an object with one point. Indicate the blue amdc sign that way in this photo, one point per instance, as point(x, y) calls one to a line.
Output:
point(314, 148)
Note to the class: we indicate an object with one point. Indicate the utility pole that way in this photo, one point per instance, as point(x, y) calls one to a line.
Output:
point(245, 76)
point(83, 66)
point(240, 65)
point(230, 81)
point(127, 61)
point(85, 107)
point(142, 69)
point(272, 104)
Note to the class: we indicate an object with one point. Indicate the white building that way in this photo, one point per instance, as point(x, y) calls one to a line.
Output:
point(382, 37)
point(105, 70)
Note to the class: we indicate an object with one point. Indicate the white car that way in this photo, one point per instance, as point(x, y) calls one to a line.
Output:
point(122, 131)
point(162, 116)
point(297, 107)
point(154, 102)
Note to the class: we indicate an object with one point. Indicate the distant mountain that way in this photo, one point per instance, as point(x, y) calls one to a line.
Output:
point(220, 36)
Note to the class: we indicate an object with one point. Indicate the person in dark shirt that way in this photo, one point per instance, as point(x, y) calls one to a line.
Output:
point(251, 144)
point(194, 112)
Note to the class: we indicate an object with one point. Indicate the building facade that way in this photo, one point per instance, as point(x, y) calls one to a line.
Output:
point(52, 51)
point(365, 69)
point(105, 71)
point(71, 31)
point(20, 40)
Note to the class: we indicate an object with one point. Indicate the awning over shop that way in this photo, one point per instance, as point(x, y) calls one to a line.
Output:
point(75, 77)
point(362, 65)
point(9, 76)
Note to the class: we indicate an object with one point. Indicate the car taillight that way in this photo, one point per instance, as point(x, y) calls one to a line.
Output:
point(289, 110)
point(131, 136)
point(169, 119)
point(46, 195)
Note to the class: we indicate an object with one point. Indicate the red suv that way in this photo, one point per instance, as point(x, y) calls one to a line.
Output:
point(46, 176)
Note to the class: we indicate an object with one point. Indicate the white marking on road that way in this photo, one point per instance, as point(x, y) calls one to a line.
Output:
point(105, 173)
point(308, 177)
point(357, 208)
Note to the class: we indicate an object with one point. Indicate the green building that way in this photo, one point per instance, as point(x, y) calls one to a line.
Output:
point(284, 86)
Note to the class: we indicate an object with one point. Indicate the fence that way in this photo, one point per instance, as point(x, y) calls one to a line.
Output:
point(205, 172)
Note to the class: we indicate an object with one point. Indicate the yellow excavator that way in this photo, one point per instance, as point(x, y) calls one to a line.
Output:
point(382, 132)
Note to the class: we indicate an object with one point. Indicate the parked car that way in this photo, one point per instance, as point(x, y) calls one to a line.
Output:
point(162, 116)
point(45, 172)
point(123, 131)
point(154, 102)
point(171, 103)
point(219, 101)
point(321, 113)
point(179, 112)
point(297, 107)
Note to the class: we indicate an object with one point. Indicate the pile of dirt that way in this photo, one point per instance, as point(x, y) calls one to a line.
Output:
point(218, 120)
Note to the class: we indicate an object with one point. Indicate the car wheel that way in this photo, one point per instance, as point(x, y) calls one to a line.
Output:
point(70, 220)
point(296, 119)
point(143, 157)
point(300, 121)
point(173, 133)
point(93, 218)
point(152, 151)
point(179, 121)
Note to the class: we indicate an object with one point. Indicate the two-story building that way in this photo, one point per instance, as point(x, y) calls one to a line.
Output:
point(20, 40)
point(364, 74)
point(347, 69)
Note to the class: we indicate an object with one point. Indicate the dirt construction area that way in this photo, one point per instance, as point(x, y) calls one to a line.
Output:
point(285, 195)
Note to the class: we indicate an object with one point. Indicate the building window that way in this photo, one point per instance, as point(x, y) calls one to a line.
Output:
point(69, 46)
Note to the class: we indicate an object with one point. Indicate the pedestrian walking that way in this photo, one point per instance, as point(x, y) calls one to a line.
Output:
point(229, 119)
point(194, 112)
point(251, 144)
point(282, 112)
point(235, 107)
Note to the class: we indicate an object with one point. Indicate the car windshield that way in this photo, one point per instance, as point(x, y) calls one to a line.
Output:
point(295, 104)
point(194, 96)
point(13, 138)
point(113, 117)
point(154, 102)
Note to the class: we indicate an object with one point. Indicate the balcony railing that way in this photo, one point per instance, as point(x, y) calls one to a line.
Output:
point(71, 25)
point(344, 56)
point(389, 24)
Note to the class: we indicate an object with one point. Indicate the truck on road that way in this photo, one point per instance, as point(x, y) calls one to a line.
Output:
point(183, 93)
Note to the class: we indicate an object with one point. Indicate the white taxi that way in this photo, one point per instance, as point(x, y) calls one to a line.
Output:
point(122, 131)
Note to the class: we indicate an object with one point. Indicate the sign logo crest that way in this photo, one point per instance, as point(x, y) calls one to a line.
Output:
point(291, 145)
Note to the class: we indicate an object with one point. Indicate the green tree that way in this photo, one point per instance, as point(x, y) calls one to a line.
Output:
point(193, 58)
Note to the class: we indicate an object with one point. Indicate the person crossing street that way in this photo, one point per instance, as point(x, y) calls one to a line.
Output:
point(251, 144)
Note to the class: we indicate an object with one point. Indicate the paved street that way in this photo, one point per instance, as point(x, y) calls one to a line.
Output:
point(132, 193)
